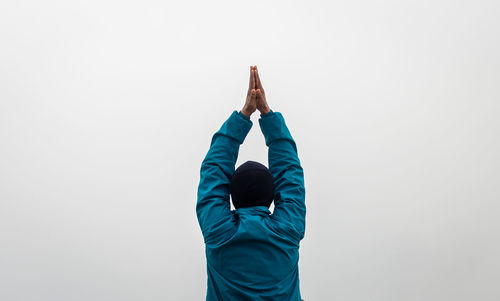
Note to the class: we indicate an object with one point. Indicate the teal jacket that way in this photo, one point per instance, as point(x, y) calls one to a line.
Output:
point(252, 254)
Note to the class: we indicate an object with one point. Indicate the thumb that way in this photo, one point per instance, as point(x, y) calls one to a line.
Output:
point(253, 97)
point(258, 94)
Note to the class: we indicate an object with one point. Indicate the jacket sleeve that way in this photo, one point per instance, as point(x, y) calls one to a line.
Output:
point(212, 206)
point(284, 164)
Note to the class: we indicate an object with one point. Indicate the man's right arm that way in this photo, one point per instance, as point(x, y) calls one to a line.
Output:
point(284, 164)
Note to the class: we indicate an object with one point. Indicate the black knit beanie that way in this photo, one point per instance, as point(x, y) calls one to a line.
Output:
point(252, 184)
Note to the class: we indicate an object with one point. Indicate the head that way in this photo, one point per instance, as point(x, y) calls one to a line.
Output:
point(252, 184)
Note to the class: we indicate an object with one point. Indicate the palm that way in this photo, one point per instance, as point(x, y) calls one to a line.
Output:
point(256, 99)
point(262, 105)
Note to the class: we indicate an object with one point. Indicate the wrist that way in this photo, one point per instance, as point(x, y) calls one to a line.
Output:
point(265, 110)
point(246, 113)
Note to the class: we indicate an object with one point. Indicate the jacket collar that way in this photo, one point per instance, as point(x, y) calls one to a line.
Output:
point(255, 210)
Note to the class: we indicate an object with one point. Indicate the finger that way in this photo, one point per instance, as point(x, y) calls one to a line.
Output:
point(254, 77)
point(257, 80)
point(254, 80)
point(251, 83)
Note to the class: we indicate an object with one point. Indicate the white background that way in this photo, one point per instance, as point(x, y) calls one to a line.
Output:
point(107, 109)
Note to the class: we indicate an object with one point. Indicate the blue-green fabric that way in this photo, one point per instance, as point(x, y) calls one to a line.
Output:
point(252, 254)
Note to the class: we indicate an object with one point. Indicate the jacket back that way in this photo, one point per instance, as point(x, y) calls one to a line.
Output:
point(252, 254)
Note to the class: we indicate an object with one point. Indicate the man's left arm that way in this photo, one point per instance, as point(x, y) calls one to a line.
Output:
point(213, 201)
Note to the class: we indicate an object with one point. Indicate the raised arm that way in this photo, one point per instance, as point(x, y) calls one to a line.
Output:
point(212, 206)
point(284, 164)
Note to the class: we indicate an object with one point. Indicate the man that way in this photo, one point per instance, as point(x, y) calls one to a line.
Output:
point(251, 253)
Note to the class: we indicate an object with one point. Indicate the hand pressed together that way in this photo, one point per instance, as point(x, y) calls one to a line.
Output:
point(256, 98)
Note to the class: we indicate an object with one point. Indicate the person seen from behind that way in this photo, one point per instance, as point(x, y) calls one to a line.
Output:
point(251, 253)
